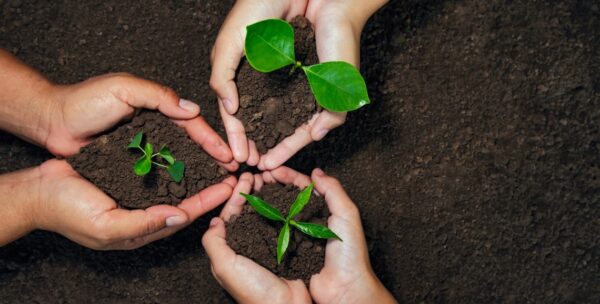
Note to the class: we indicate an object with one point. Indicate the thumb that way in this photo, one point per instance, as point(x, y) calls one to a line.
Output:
point(141, 93)
point(215, 244)
point(225, 58)
point(325, 122)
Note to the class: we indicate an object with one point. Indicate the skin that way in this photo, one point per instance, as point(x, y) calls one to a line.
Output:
point(63, 118)
point(338, 25)
point(347, 276)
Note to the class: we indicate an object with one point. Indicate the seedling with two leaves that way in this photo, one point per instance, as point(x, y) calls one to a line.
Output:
point(142, 166)
point(272, 213)
point(336, 85)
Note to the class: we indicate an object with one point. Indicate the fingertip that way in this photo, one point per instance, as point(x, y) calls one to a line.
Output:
point(189, 106)
point(231, 181)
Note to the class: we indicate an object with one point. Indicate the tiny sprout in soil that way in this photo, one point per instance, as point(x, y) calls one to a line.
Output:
point(144, 164)
point(270, 212)
point(336, 85)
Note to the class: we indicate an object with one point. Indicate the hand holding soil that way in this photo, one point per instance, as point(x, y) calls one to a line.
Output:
point(337, 26)
point(347, 276)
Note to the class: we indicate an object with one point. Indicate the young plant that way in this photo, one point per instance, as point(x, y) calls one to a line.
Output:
point(270, 212)
point(144, 164)
point(336, 85)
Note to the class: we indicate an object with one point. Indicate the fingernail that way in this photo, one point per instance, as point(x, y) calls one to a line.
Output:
point(214, 222)
point(228, 106)
point(188, 105)
point(175, 221)
point(321, 134)
point(319, 172)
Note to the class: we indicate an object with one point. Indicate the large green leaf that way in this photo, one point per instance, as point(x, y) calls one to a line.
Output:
point(315, 230)
point(270, 45)
point(142, 166)
point(136, 142)
point(337, 86)
point(176, 170)
point(263, 208)
point(282, 242)
point(166, 155)
point(301, 201)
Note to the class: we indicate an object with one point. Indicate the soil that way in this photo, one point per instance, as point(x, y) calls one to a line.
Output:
point(476, 167)
point(255, 237)
point(108, 164)
point(273, 105)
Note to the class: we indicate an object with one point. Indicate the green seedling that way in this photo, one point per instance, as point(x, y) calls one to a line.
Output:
point(143, 165)
point(336, 85)
point(270, 212)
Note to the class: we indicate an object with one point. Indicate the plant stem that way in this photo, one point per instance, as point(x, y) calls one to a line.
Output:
point(297, 65)
point(160, 165)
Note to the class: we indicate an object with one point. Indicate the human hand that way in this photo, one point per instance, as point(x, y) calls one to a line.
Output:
point(225, 58)
point(70, 205)
point(347, 276)
point(82, 110)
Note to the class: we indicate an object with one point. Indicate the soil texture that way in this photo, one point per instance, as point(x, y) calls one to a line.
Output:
point(108, 164)
point(273, 105)
point(255, 237)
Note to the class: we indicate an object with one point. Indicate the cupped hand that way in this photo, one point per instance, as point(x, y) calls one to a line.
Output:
point(70, 205)
point(347, 276)
point(81, 111)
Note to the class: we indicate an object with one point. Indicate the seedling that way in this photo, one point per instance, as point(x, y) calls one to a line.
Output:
point(270, 212)
point(144, 164)
point(336, 85)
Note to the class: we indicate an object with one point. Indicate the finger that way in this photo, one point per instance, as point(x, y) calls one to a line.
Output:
point(325, 122)
point(201, 133)
point(258, 182)
point(286, 148)
point(338, 201)
point(226, 56)
point(206, 200)
point(236, 202)
point(287, 176)
point(215, 244)
point(236, 135)
point(231, 166)
point(141, 93)
point(268, 178)
point(253, 155)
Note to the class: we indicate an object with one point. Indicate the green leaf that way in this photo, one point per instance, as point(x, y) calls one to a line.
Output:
point(166, 154)
point(269, 45)
point(301, 201)
point(176, 170)
point(315, 230)
point(282, 242)
point(148, 150)
point(137, 140)
point(142, 166)
point(337, 86)
point(264, 208)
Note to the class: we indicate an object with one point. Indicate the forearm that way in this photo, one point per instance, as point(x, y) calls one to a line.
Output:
point(19, 194)
point(25, 109)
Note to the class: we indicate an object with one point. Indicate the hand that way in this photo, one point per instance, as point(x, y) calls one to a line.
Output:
point(70, 205)
point(347, 276)
point(83, 110)
point(338, 25)
point(225, 58)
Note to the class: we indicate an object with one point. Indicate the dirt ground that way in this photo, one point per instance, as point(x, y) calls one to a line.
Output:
point(476, 167)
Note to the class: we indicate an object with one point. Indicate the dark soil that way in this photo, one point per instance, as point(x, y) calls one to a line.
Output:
point(476, 167)
point(108, 164)
point(273, 105)
point(254, 236)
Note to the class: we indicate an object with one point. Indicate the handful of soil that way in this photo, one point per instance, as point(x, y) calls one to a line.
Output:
point(108, 164)
point(273, 105)
point(255, 237)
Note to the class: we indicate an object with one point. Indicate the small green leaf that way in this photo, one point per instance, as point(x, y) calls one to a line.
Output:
point(136, 142)
point(337, 86)
point(176, 170)
point(315, 230)
point(269, 45)
point(301, 201)
point(166, 154)
point(148, 150)
point(282, 242)
point(263, 208)
point(142, 166)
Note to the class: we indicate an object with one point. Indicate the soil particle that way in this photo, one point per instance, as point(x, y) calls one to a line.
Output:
point(253, 236)
point(273, 105)
point(109, 165)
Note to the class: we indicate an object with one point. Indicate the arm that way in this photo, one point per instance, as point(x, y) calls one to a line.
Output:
point(20, 191)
